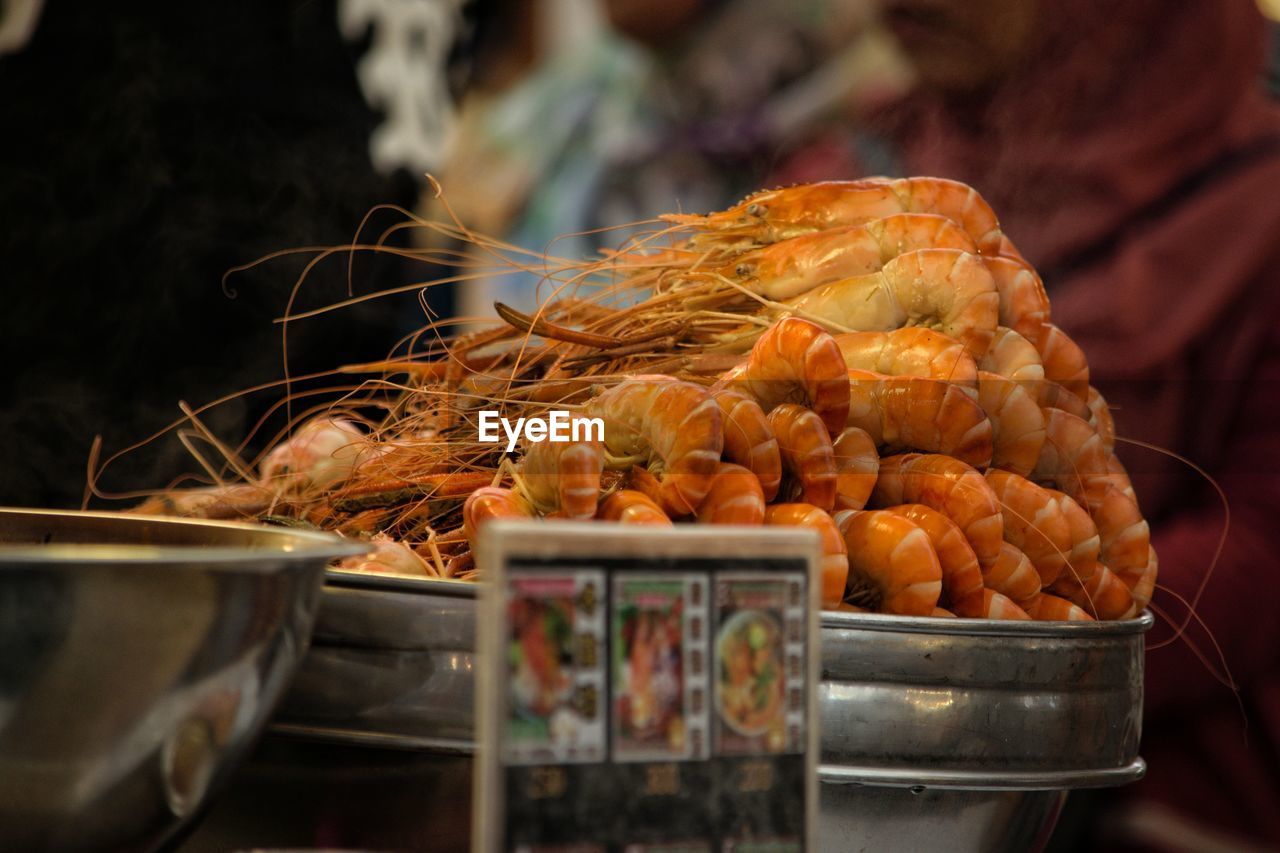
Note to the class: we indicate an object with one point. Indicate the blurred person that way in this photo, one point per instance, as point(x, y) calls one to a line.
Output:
point(1133, 156)
point(583, 116)
point(146, 151)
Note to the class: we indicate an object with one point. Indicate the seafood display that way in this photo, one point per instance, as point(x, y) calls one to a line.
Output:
point(871, 359)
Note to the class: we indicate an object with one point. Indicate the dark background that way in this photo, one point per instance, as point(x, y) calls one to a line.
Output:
point(146, 149)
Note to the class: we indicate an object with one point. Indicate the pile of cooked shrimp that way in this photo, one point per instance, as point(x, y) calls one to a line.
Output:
point(869, 359)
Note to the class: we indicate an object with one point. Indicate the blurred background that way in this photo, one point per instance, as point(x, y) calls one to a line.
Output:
point(1132, 151)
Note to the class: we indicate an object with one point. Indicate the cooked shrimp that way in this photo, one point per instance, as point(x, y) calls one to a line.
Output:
point(857, 466)
point(794, 266)
point(1063, 361)
point(1103, 596)
point(1033, 523)
point(943, 613)
point(231, 501)
point(1024, 306)
point(735, 497)
point(748, 439)
point(1145, 584)
point(389, 557)
point(673, 426)
point(941, 289)
point(632, 507)
point(910, 351)
point(961, 577)
point(1100, 418)
point(1013, 357)
point(929, 415)
point(1013, 576)
point(773, 215)
point(1124, 534)
point(807, 453)
point(1051, 395)
point(892, 565)
point(1051, 608)
point(835, 559)
point(795, 361)
point(563, 476)
point(1082, 559)
point(951, 487)
point(322, 452)
point(1017, 424)
point(489, 503)
point(996, 606)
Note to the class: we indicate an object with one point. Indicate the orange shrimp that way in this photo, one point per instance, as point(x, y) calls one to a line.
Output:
point(1100, 418)
point(1082, 559)
point(795, 361)
point(1103, 596)
point(735, 497)
point(996, 606)
point(1064, 362)
point(1013, 576)
point(951, 487)
point(941, 289)
point(1051, 608)
point(674, 426)
point(1013, 357)
point(921, 414)
point(943, 613)
point(799, 264)
point(1145, 585)
point(892, 564)
point(961, 577)
point(910, 351)
point(1076, 460)
point(773, 215)
point(389, 557)
point(1017, 424)
point(807, 453)
point(563, 476)
point(632, 507)
point(857, 466)
point(322, 452)
point(1024, 305)
point(1051, 395)
point(1033, 523)
point(835, 556)
point(489, 503)
point(748, 439)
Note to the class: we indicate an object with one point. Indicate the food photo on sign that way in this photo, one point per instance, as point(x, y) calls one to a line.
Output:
point(977, 295)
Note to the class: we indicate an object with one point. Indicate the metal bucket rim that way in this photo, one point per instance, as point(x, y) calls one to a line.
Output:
point(1009, 780)
point(984, 627)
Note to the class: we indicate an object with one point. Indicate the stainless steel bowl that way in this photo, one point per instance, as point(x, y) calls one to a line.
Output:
point(967, 730)
point(139, 657)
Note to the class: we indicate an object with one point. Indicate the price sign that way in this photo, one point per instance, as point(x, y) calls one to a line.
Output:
point(647, 690)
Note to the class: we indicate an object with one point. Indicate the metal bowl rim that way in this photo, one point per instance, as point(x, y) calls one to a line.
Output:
point(316, 544)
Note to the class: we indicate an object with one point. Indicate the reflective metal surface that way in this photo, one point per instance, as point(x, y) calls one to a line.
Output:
point(139, 657)
point(964, 729)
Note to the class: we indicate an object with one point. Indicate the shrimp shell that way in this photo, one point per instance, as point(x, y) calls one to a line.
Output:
point(1024, 305)
point(1017, 424)
point(631, 507)
point(795, 361)
point(910, 351)
point(1013, 357)
point(835, 559)
point(489, 503)
point(1103, 596)
point(857, 467)
point(735, 497)
point(941, 289)
point(1013, 576)
point(749, 440)
point(1064, 362)
point(1051, 608)
point(1033, 523)
point(996, 606)
point(893, 560)
point(564, 476)
point(797, 265)
point(807, 453)
point(961, 577)
point(953, 488)
point(928, 415)
point(676, 424)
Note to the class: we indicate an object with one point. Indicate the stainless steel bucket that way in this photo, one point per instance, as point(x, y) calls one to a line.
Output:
point(966, 730)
